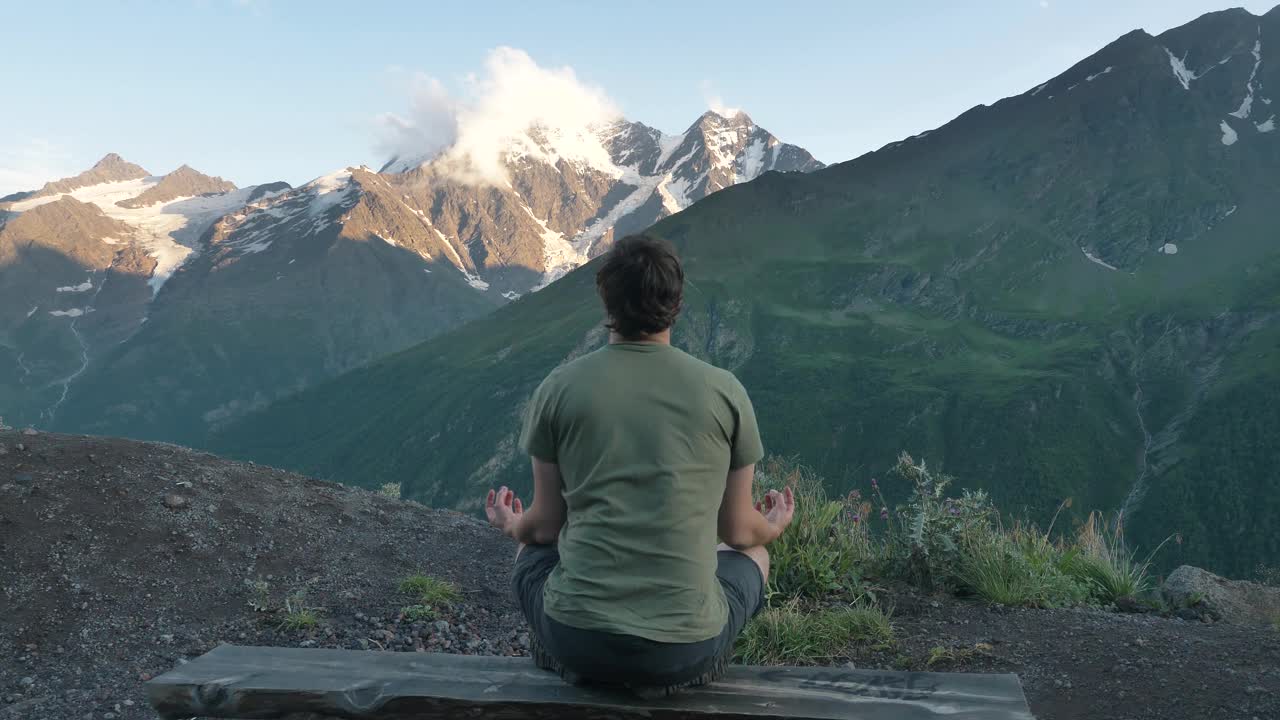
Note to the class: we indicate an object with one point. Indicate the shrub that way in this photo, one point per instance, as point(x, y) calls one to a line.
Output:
point(418, 613)
point(1019, 568)
point(430, 591)
point(1104, 565)
point(391, 490)
point(792, 635)
point(926, 536)
point(819, 553)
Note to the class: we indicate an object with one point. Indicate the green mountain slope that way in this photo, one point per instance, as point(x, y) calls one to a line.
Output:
point(1072, 293)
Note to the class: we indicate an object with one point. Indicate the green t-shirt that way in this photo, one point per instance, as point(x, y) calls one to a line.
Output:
point(644, 435)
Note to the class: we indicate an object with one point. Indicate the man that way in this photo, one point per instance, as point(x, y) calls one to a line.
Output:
point(641, 456)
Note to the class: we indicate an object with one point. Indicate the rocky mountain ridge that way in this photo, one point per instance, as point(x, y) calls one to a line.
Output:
point(258, 292)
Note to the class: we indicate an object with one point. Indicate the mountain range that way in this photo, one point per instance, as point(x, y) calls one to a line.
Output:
point(1071, 294)
point(161, 307)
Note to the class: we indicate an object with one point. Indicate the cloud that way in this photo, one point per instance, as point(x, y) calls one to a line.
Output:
point(496, 108)
point(1044, 3)
point(29, 164)
point(714, 103)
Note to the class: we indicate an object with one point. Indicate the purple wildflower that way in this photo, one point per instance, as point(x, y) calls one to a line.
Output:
point(884, 513)
point(854, 518)
point(874, 485)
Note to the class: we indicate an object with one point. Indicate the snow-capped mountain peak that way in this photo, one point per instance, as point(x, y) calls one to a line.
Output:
point(569, 192)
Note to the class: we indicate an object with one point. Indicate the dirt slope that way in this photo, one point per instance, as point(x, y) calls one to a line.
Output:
point(120, 559)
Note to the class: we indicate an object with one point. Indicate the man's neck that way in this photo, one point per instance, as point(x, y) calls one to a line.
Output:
point(661, 338)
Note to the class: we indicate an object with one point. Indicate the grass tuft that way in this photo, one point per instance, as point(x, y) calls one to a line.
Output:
point(1105, 565)
point(792, 635)
point(302, 619)
point(430, 591)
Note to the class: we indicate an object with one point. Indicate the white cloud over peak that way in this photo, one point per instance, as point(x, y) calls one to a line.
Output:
point(494, 111)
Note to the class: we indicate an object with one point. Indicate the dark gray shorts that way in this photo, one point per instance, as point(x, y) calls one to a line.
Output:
point(617, 659)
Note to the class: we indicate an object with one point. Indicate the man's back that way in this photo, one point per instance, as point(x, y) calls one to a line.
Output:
point(644, 436)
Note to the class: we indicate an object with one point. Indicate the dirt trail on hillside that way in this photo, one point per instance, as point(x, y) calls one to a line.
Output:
point(119, 560)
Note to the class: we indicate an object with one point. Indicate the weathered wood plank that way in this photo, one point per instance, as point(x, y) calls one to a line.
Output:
point(259, 682)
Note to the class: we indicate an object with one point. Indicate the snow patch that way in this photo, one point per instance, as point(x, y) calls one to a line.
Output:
point(752, 162)
point(73, 312)
point(1230, 212)
point(1094, 76)
point(85, 286)
point(559, 255)
point(1229, 135)
point(1180, 71)
point(511, 295)
point(111, 240)
point(32, 311)
point(1038, 88)
point(1169, 249)
point(668, 145)
point(1246, 105)
point(1268, 126)
point(1097, 260)
point(474, 281)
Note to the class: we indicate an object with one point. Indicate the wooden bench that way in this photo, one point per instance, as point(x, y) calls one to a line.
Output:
point(264, 682)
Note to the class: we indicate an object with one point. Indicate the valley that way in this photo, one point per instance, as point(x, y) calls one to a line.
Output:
point(998, 295)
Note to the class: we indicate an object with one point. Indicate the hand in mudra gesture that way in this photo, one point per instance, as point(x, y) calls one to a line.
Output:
point(778, 509)
point(503, 508)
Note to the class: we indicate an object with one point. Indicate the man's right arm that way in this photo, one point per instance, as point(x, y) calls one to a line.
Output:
point(743, 525)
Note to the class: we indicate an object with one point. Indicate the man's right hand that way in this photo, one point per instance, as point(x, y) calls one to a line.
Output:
point(778, 509)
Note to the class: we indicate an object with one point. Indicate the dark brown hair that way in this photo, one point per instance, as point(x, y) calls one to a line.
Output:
point(642, 285)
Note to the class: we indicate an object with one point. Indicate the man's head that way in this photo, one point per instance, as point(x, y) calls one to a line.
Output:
point(642, 285)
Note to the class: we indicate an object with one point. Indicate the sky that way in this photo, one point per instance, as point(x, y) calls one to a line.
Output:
point(263, 90)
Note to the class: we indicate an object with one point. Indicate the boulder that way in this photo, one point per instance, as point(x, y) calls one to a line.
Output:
point(1235, 601)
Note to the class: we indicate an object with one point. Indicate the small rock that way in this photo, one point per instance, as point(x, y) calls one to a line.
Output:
point(27, 681)
point(174, 501)
point(4, 450)
point(1254, 690)
point(30, 431)
point(108, 716)
point(442, 626)
point(21, 447)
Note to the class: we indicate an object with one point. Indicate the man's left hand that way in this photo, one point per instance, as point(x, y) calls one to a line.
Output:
point(503, 509)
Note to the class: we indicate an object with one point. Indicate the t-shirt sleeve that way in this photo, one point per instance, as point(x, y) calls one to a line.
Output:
point(747, 448)
point(538, 435)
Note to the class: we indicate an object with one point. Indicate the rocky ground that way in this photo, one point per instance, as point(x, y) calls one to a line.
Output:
point(119, 560)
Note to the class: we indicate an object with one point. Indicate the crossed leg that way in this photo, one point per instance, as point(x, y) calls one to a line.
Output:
point(758, 554)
